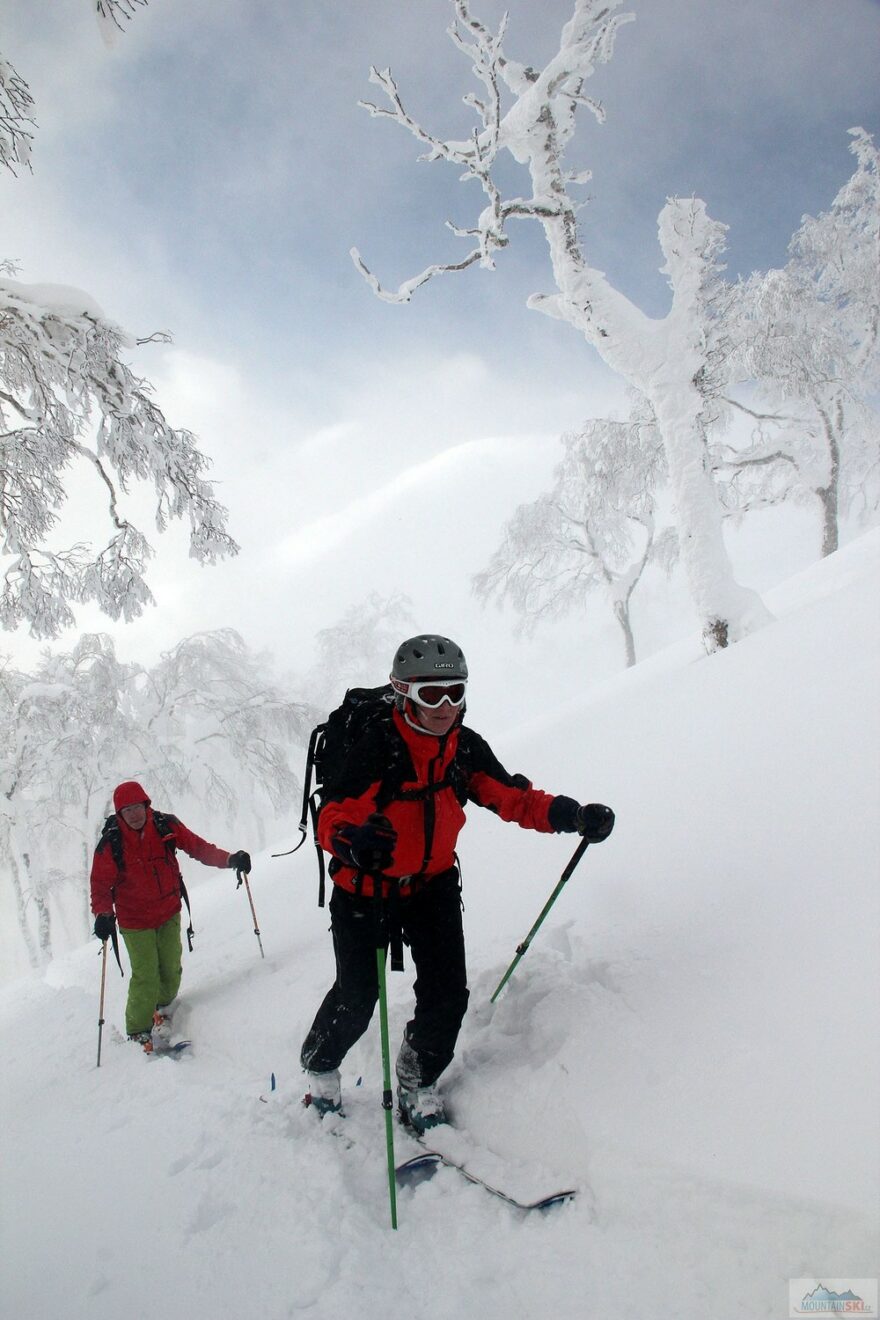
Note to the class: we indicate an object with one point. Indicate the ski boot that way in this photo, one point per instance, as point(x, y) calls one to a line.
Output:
point(161, 1032)
point(144, 1039)
point(325, 1092)
point(421, 1108)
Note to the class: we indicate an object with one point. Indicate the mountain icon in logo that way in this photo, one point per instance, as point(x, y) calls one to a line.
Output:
point(822, 1294)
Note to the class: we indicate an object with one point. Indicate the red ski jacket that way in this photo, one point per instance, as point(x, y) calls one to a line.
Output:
point(145, 890)
point(396, 770)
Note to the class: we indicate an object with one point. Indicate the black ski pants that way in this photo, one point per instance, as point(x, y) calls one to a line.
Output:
point(431, 925)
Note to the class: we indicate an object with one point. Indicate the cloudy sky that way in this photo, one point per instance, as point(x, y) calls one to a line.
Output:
point(208, 173)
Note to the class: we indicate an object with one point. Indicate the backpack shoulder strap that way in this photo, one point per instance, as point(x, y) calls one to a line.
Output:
point(165, 822)
point(111, 838)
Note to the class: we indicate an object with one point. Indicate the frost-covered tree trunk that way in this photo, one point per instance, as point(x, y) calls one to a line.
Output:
point(37, 891)
point(9, 858)
point(666, 360)
point(829, 494)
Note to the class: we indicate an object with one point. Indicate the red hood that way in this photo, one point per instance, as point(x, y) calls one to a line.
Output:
point(129, 794)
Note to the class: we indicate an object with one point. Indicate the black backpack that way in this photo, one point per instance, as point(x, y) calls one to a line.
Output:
point(327, 760)
point(330, 745)
point(112, 838)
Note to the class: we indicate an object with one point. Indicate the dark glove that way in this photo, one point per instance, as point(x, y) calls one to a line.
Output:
point(595, 822)
point(239, 861)
point(105, 925)
point(369, 847)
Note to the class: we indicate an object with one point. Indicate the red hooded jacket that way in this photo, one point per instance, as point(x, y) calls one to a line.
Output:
point(145, 891)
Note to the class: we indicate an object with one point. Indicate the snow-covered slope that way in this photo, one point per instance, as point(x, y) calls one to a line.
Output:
point(691, 1040)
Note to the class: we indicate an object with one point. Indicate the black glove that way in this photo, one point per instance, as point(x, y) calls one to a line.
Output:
point(369, 847)
point(239, 861)
point(105, 925)
point(595, 822)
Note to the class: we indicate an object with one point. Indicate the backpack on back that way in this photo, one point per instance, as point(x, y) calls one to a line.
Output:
point(330, 746)
point(328, 758)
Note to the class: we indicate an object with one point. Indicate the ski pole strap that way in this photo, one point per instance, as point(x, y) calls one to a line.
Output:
point(386, 920)
point(308, 804)
point(395, 931)
point(190, 933)
point(313, 811)
point(291, 851)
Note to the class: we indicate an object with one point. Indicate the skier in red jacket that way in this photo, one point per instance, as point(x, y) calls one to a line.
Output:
point(391, 819)
point(135, 872)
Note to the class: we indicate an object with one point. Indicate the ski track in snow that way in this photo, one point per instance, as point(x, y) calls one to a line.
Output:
point(653, 1049)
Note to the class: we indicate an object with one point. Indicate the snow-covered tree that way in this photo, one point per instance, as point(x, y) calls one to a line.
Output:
point(11, 775)
point(231, 726)
point(67, 398)
point(63, 732)
point(594, 530)
point(357, 651)
point(811, 341)
point(206, 726)
point(530, 115)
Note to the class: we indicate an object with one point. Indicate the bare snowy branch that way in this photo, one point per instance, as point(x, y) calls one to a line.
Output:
point(112, 15)
point(16, 119)
point(68, 396)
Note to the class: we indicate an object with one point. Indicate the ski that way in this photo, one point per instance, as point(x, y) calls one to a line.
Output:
point(423, 1166)
point(418, 1168)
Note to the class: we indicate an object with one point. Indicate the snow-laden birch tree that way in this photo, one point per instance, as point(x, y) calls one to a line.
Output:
point(69, 399)
point(12, 754)
point(63, 732)
point(811, 342)
point(206, 727)
point(595, 530)
point(530, 115)
point(231, 726)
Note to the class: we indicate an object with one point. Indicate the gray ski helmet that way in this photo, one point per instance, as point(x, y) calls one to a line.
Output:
point(428, 656)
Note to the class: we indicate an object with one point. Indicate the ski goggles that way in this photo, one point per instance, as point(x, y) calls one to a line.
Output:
point(432, 694)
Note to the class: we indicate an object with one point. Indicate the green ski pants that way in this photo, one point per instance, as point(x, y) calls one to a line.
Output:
point(155, 972)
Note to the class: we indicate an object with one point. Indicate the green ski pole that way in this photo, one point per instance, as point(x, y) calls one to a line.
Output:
point(522, 949)
point(387, 1100)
